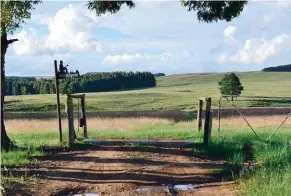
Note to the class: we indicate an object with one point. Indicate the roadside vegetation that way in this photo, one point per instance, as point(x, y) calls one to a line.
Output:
point(269, 174)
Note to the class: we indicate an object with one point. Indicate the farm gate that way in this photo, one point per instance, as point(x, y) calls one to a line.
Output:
point(81, 116)
point(264, 116)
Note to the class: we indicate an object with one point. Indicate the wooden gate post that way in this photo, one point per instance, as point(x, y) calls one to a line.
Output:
point(58, 101)
point(199, 114)
point(70, 113)
point(85, 134)
point(208, 121)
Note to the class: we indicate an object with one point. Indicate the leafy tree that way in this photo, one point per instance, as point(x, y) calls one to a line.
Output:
point(23, 90)
point(15, 89)
point(64, 87)
point(14, 13)
point(230, 85)
point(213, 11)
point(207, 11)
point(52, 88)
point(45, 88)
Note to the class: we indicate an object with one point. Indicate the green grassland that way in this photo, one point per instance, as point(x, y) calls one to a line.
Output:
point(172, 92)
point(272, 177)
point(178, 92)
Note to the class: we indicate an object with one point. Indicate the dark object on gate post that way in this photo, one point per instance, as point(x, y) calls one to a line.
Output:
point(208, 122)
point(199, 114)
point(58, 101)
point(81, 122)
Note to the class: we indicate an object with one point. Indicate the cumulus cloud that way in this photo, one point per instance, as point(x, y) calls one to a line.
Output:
point(138, 62)
point(126, 58)
point(229, 36)
point(70, 29)
point(222, 58)
point(229, 31)
point(257, 51)
point(29, 43)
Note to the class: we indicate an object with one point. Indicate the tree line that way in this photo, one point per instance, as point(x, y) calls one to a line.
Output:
point(280, 68)
point(89, 82)
point(159, 74)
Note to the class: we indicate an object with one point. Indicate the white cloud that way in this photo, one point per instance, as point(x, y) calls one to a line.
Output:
point(138, 62)
point(229, 38)
point(259, 50)
point(126, 58)
point(229, 31)
point(222, 58)
point(29, 43)
point(70, 29)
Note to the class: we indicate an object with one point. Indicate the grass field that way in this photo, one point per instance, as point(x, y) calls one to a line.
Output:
point(273, 157)
point(172, 92)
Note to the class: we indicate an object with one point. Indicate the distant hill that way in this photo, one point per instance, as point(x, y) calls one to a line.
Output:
point(280, 68)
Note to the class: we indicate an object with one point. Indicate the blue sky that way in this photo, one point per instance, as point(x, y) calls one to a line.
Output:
point(156, 36)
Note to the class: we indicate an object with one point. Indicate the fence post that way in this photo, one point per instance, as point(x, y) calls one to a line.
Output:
point(199, 114)
point(58, 101)
point(84, 116)
point(208, 121)
point(70, 113)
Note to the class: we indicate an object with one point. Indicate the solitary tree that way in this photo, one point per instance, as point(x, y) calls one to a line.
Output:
point(14, 13)
point(230, 85)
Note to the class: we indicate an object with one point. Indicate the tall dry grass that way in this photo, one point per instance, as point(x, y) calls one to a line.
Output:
point(131, 124)
point(121, 124)
point(255, 121)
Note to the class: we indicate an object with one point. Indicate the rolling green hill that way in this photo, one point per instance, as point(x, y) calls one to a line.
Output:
point(172, 92)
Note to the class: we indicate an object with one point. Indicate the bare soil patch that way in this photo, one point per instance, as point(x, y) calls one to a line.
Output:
point(121, 170)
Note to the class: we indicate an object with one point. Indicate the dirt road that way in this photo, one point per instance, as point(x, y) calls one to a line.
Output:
point(126, 171)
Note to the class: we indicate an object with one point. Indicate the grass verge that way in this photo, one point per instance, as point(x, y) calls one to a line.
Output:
point(273, 157)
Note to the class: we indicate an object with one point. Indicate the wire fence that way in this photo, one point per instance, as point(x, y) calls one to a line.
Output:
point(260, 115)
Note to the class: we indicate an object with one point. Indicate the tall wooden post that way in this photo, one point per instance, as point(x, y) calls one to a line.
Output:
point(208, 123)
point(199, 114)
point(70, 113)
point(58, 101)
point(84, 116)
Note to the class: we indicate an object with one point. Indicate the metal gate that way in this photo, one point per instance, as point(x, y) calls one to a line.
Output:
point(232, 101)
